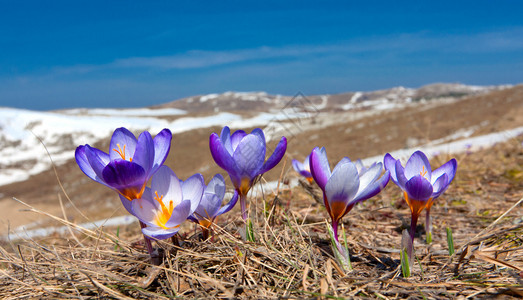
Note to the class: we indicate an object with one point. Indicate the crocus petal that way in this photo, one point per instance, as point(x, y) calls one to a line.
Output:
point(319, 166)
point(98, 161)
point(122, 137)
point(343, 161)
point(127, 204)
point(297, 165)
point(208, 207)
point(162, 146)
point(144, 153)
point(440, 186)
point(359, 166)
point(418, 164)
point(390, 165)
point(370, 175)
point(166, 184)
point(276, 156)
point(448, 168)
point(418, 188)
point(122, 174)
point(145, 210)
point(180, 214)
point(216, 186)
point(225, 137)
point(92, 162)
point(160, 233)
point(258, 132)
point(249, 156)
point(220, 154)
point(343, 184)
point(400, 175)
point(192, 190)
point(306, 174)
point(227, 207)
point(372, 189)
point(236, 138)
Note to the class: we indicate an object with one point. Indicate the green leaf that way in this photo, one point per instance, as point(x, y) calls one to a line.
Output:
point(249, 231)
point(405, 267)
point(450, 241)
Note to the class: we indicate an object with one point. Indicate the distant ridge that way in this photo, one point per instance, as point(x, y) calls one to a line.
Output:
point(262, 101)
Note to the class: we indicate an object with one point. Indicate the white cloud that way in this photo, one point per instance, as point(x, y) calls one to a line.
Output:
point(377, 46)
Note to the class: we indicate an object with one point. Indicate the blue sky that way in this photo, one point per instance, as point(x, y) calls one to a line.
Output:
point(64, 54)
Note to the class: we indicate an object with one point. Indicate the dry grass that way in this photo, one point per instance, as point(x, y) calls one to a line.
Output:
point(291, 257)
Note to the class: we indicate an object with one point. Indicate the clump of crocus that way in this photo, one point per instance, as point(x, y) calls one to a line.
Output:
point(346, 185)
point(303, 168)
point(130, 162)
point(168, 203)
point(420, 184)
point(211, 205)
point(242, 155)
point(128, 166)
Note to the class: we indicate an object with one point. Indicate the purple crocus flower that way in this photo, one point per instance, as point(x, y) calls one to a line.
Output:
point(419, 183)
point(242, 155)
point(130, 163)
point(211, 205)
point(303, 168)
point(348, 184)
point(168, 203)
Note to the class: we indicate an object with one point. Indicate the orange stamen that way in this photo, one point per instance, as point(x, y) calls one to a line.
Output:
point(423, 171)
point(121, 151)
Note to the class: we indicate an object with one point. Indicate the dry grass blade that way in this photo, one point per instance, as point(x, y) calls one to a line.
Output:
point(483, 256)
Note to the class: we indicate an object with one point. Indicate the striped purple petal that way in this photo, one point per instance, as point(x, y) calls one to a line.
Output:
point(276, 156)
point(390, 165)
point(249, 156)
point(162, 146)
point(319, 165)
point(418, 164)
point(122, 145)
point(144, 152)
point(448, 168)
point(418, 188)
point(227, 207)
point(236, 138)
point(220, 154)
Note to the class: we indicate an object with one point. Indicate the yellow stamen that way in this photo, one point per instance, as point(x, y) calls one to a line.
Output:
point(121, 151)
point(165, 213)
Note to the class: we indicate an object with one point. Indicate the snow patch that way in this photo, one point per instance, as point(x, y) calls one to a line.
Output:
point(208, 97)
point(135, 112)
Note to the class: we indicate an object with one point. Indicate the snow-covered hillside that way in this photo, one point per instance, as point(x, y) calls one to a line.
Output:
point(22, 154)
